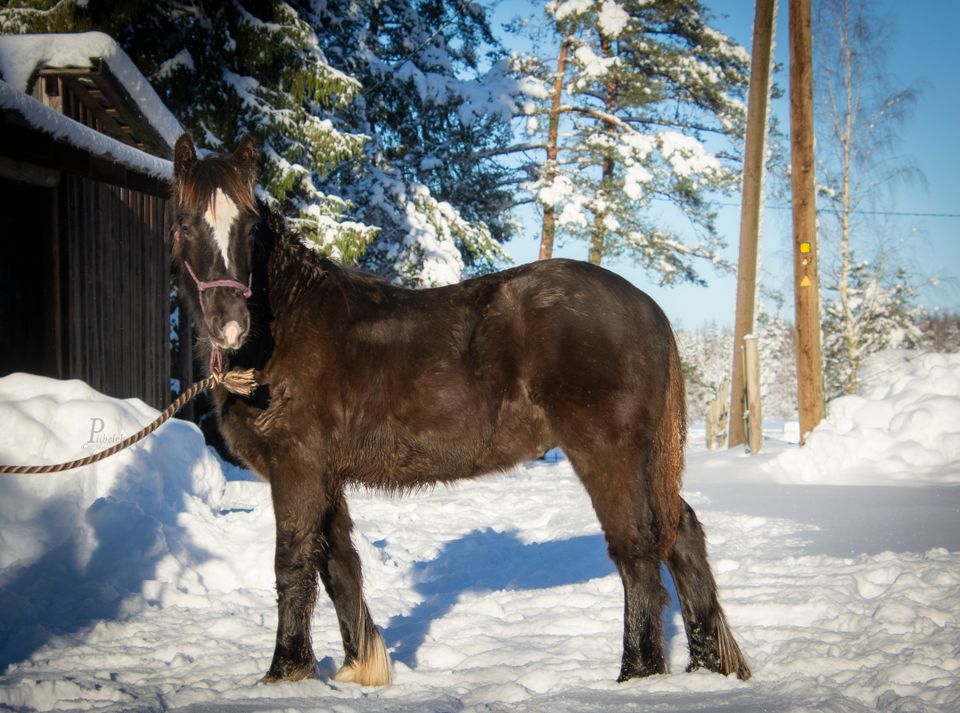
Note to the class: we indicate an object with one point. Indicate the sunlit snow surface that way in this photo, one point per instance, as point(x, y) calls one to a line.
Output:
point(145, 582)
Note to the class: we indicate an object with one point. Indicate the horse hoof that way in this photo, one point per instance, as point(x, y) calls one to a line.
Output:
point(298, 674)
point(640, 671)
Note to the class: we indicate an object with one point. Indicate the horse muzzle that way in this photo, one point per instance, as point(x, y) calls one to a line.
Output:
point(232, 335)
point(229, 335)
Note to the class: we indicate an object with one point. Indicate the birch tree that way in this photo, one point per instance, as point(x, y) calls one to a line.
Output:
point(860, 114)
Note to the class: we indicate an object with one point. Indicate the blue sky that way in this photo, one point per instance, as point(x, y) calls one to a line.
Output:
point(923, 51)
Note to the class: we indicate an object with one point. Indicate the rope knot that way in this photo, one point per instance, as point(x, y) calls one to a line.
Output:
point(237, 381)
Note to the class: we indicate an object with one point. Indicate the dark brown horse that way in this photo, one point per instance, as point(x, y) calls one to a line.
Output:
point(364, 382)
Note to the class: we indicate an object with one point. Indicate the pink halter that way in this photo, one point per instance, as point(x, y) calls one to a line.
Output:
point(203, 285)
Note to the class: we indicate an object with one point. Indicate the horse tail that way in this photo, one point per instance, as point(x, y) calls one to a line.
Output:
point(667, 457)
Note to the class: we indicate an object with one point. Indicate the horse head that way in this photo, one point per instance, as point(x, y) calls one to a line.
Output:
point(212, 236)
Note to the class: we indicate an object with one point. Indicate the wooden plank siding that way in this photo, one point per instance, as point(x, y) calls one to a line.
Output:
point(87, 295)
point(116, 289)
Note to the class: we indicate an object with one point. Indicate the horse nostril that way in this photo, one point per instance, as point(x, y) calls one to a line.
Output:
point(232, 331)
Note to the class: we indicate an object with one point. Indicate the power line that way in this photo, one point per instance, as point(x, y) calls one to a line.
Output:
point(902, 214)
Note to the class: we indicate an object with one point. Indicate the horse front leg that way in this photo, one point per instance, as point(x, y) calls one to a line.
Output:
point(296, 572)
point(365, 656)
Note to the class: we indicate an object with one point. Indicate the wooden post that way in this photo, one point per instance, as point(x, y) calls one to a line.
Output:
point(717, 416)
point(759, 93)
point(803, 180)
point(751, 365)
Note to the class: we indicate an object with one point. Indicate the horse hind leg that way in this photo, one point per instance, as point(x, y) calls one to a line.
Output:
point(644, 601)
point(366, 660)
point(709, 638)
point(633, 544)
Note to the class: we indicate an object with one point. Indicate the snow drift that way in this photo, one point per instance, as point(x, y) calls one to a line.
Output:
point(904, 429)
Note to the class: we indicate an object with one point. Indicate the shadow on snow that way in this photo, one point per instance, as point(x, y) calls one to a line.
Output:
point(65, 590)
point(490, 561)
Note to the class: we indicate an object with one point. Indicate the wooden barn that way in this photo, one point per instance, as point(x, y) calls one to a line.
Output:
point(84, 172)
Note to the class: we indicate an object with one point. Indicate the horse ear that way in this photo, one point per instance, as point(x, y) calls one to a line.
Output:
point(246, 157)
point(184, 155)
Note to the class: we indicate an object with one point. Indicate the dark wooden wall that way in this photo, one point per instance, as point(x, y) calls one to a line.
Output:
point(115, 289)
point(86, 289)
point(28, 229)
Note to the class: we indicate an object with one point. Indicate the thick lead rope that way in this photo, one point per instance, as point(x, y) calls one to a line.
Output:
point(237, 381)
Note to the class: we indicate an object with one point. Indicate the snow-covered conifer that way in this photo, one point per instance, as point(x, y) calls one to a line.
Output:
point(226, 69)
point(437, 101)
point(884, 316)
point(653, 111)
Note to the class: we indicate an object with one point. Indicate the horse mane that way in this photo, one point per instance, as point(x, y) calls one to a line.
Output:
point(197, 188)
point(294, 266)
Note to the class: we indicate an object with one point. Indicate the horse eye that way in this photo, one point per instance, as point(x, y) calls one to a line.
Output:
point(184, 231)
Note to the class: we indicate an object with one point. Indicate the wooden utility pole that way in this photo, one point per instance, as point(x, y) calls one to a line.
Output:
point(759, 92)
point(553, 130)
point(805, 258)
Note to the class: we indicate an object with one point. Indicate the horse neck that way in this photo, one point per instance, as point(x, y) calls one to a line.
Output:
point(289, 268)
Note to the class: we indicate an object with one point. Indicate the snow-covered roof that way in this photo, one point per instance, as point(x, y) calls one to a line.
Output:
point(22, 55)
point(82, 137)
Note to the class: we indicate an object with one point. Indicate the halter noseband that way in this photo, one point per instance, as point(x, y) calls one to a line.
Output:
point(203, 285)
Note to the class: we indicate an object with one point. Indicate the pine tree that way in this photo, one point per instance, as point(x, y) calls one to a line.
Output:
point(654, 110)
point(437, 102)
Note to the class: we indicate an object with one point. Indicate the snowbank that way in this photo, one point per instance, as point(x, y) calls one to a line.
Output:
point(903, 429)
point(118, 535)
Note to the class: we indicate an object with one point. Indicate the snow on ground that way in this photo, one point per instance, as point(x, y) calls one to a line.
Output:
point(145, 582)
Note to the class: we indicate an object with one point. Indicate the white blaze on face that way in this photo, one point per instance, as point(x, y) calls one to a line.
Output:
point(220, 216)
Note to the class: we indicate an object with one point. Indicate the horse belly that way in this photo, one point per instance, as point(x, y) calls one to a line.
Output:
point(465, 444)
